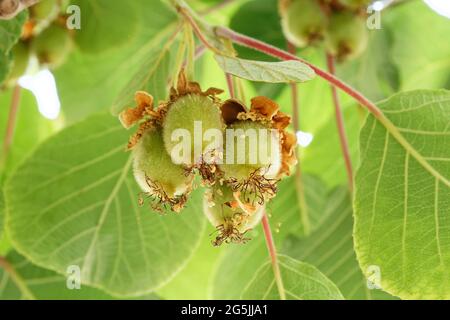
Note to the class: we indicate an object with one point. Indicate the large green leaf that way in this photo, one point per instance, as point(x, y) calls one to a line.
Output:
point(89, 83)
point(239, 262)
point(193, 282)
point(101, 26)
point(301, 282)
point(420, 49)
point(10, 31)
point(403, 195)
point(44, 284)
point(330, 249)
point(75, 202)
point(273, 72)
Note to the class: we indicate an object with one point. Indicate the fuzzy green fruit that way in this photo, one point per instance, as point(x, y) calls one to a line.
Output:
point(53, 45)
point(44, 10)
point(347, 35)
point(154, 171)
point(21, 55)
point(304, 23)
point(196, 114)
point(262, 152)
point(225, 214)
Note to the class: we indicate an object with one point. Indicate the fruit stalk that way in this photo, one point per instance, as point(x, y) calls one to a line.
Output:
point(12, 119)
point(304, 216)
point(341, 126)
point(270, 50)
point(273, 256)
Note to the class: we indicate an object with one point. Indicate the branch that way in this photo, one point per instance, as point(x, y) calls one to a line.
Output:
point(11, 125)
point(341, 126)
point(298, 178)
point(283, 55)
point(273, 256)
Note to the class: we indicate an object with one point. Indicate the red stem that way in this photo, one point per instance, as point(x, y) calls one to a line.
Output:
point(11, 125)
point(283, 55)
point(341, 125)
point(273, 256)
point(230, 84)
point(304, 214)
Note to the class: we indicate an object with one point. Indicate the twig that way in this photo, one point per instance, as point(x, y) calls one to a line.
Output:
point(284, 55)
point(304, 215)
point(341, 126)
point(273, 256)
point(230, 84)
point(11, 125)
point(197, 30)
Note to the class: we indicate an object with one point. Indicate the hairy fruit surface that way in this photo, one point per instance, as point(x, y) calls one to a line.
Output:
point(303, 21)
point(347, 36)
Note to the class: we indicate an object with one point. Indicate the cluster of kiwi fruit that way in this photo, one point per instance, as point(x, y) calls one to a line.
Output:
point(45, 36)
point(340, 25)
point(236, 191)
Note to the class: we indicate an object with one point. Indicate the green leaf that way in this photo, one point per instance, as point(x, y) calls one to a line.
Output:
point(272, 72)
point(45, 284)
point(75, 202)
point(402, 195)
point(192, 283)
point(421, 65)
point(323, 157)
point(239, 262)
point(89, 83)
point(330, 249)
point(301, 282)
point(151, 77)
point(10, 31)
point(263, 14)
point(100, 25)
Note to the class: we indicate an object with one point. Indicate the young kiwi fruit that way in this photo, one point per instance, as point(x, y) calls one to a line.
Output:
point(44, 10)
point(189, 112)
point(53, 45)
point(21, 56)
point(303, 21)
point(251, 147)
point(158, 177)
point(347, 36)
point(225, 213)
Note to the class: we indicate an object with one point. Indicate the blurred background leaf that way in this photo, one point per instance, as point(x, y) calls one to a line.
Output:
point(10, 31)
point(421, 49)
point(45, 285)
point(330, 249)
point(301, 282)
point(89, 83)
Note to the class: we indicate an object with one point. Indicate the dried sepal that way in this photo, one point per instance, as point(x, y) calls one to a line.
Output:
point(131, 116)
point(160, 201)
